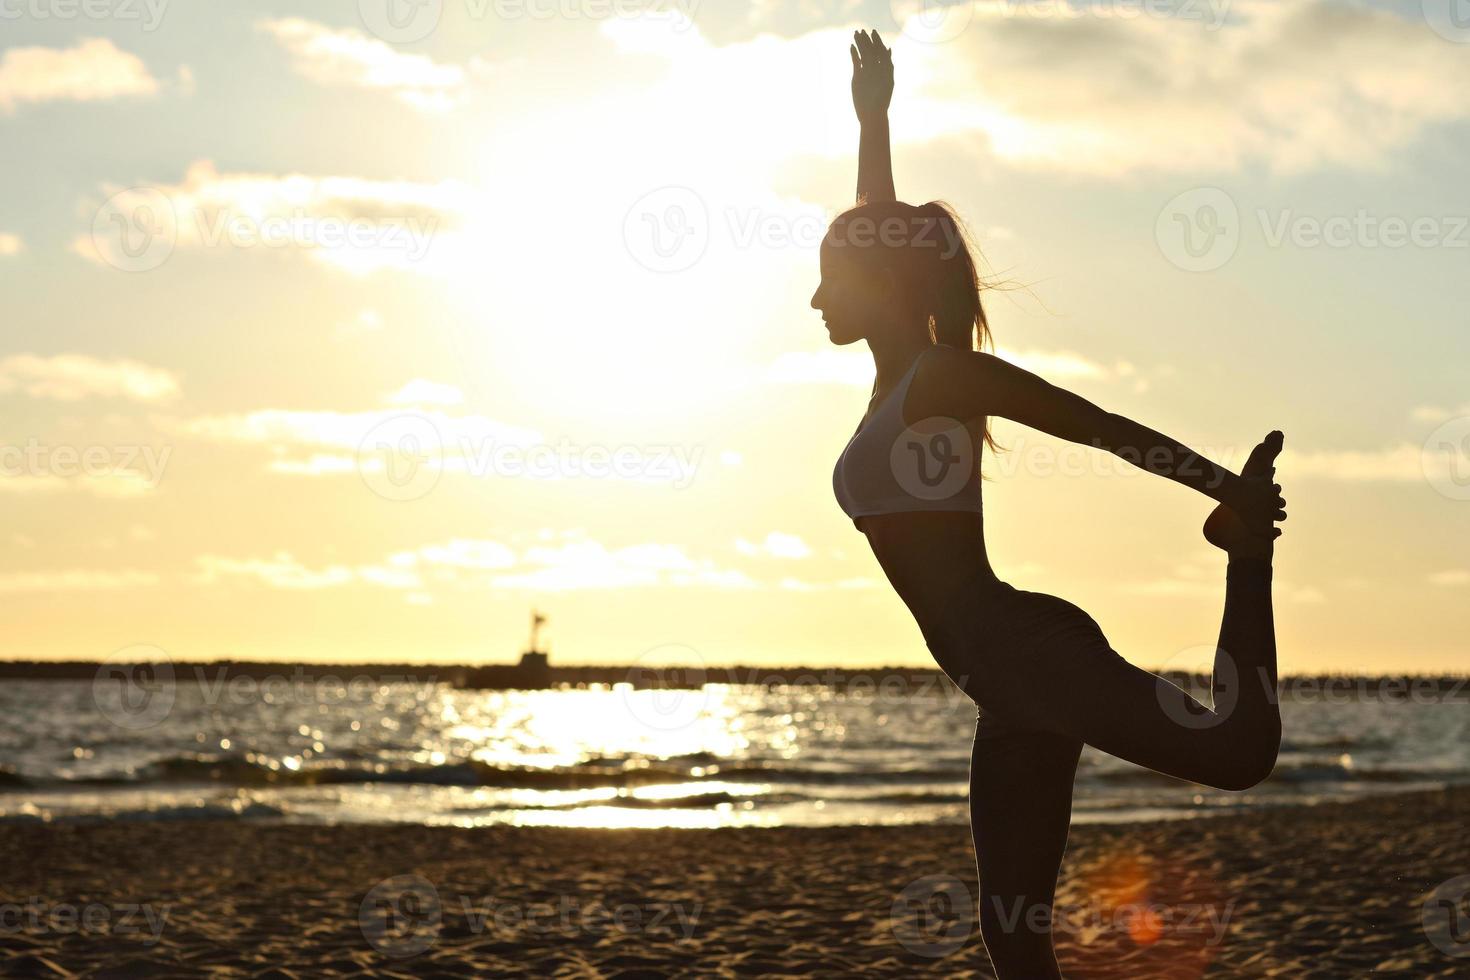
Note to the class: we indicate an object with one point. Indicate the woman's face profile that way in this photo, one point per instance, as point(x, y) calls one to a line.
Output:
point(852, 299)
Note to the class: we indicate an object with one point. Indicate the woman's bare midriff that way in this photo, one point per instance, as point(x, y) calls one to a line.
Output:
point(928, 557)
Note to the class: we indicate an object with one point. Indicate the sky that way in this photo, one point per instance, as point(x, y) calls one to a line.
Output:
point(353, 331)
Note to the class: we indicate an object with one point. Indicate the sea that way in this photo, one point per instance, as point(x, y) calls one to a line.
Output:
point(372, 751)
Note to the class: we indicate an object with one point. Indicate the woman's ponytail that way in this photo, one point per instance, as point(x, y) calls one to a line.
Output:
point(958, 317)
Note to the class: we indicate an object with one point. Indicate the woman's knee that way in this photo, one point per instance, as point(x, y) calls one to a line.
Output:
point(1251, 759)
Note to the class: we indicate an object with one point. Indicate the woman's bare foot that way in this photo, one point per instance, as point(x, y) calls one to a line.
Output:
point(1224, 528)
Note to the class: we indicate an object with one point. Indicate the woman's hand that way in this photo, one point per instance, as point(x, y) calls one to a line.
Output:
point(872, 75)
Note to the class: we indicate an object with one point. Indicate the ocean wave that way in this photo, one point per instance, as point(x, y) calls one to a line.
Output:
point(243, 771)
point(164, 813)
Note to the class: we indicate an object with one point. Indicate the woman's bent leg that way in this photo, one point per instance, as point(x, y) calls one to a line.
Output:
point(1071, 682)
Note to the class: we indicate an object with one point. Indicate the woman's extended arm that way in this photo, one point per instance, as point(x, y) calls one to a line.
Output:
point(972, 384)
point(872, 89)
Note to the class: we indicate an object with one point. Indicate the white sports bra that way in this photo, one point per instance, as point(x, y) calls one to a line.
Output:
point(889, 467)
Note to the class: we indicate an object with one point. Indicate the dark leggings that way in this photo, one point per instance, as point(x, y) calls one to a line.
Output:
point(1046, 682)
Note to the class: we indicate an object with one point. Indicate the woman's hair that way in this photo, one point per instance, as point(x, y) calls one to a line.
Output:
point(933, 262)
point(932, 259)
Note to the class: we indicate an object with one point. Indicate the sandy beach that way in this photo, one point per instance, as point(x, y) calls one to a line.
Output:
point(1329, 891)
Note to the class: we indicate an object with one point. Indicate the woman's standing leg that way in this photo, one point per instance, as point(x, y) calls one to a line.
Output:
point(1020, 812)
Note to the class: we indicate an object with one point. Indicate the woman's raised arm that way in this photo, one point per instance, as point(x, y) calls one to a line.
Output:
point(872, 89)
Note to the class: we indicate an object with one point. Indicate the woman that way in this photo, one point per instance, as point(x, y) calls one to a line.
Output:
point(1040, 670)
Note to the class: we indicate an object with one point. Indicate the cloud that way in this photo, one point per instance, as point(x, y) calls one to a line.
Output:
point(847, 584)
point(1433, 414)
point(775, 545)
point(1107, 91)
point(367, 441)
point(93, 71)
point(421, 392)
point(350, 59)
point(568, 561)
point(401, 442)
point(1185, 585)
point(75, 580)
point(119, 483)
point(10, 245)
point(1450, 578)
point(72, 377)
point(577, 563)
point(856, 367)
point(281, 571)
point(355, 224)
point(1403, 463)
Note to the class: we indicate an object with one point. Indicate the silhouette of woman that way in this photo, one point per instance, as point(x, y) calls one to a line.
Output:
point(1042, 674)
